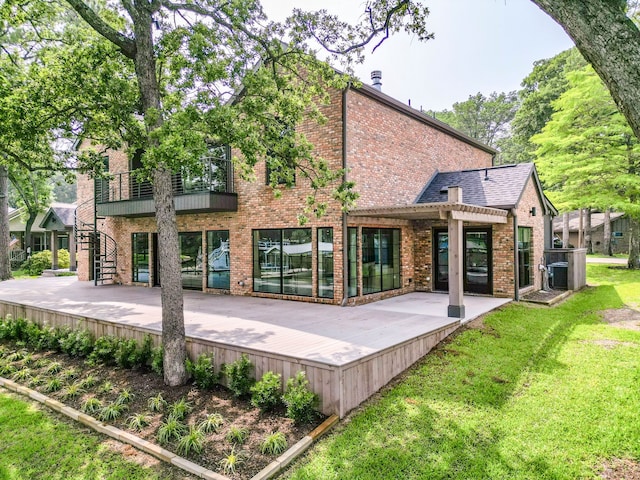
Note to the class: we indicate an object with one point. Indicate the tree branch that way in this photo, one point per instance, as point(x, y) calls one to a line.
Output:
point(126, 44)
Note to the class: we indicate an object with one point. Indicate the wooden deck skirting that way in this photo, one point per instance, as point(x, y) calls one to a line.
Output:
point(340, 388)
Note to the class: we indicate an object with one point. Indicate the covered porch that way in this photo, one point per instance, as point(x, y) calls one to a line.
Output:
point(456, 214)
point(347, 353)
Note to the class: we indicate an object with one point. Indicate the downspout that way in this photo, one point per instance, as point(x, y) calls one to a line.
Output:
point(516, 266)
point(345, 225)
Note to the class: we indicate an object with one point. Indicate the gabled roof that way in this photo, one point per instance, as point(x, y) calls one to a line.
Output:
point(60, 215)
point(495, 187)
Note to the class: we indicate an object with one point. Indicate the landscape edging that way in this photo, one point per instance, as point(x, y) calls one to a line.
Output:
point(113, 432)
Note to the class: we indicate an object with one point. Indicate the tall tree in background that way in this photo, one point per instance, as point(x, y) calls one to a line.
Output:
point(484, 118)
point(588, 154)
point(217, 72)
point(31, 191)
point(540, 88)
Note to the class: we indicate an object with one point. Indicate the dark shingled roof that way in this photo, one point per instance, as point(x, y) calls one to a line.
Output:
point(497, 187)
point(65, 214)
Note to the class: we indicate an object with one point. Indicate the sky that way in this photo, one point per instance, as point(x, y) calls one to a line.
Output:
point(479, 46)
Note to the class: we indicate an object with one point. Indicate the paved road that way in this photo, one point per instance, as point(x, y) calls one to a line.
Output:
point(609, 260)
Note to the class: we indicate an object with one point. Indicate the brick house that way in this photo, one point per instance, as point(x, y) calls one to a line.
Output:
point(411, 230)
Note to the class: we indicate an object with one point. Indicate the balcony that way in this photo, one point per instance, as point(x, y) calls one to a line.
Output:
point(125, 194)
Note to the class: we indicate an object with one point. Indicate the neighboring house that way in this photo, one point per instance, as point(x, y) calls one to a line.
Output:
point(408, 217)
point(620, 231)
point(42, 234)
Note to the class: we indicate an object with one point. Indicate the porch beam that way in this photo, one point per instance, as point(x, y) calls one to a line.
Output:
point(456, 246)
point(477, 217)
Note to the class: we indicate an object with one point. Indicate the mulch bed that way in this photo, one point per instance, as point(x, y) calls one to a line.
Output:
point(144, 385)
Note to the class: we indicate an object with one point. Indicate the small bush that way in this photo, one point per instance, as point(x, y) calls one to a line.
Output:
point(53, 368)
point(72, 391)
point(22, 375)
point(266, 394)
point(91, 405)
point(77, 343)
point(53, 385)
point(300, 402)
point(156, 360)
point(69, 374)
point(172, 429)
point(137, 422)
point(126, 354)
point(211, 423)
point(104, 350)
point(231, 462)
point(35, 381)
point(237, 435)
point(157, 403)
point(238, 374)
point(89, 381)
point(274, 444)
point(111, 412)
point(191, 442)
point(203, 371)
point(125, 396)
point(180, 409)
point(106, 387)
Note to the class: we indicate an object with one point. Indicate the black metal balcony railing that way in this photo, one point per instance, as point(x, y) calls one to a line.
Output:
point(216, 177)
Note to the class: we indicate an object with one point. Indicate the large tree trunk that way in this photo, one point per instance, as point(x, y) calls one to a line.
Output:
point(587, 231)
point(173, 332)
point(608, 40)
point(608, 250)
point(5, 264)
point(634, 244)
point(565, 230)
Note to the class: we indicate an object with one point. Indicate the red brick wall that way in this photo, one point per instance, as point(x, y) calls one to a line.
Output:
point(392, 156)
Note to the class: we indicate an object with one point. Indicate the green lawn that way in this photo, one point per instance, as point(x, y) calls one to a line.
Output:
point(36, 444)
point(536, 393)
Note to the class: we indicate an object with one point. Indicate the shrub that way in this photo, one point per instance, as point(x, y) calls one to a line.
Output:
point(72, 391)
point(266, 394)
point(125, 396)
point(180, 409)
point(77, 343)
point(22, 375)
point(126, 353)
point(89, 381)
point(191, 442)
point(203, 371)
point(104, 350)
point(230, 462)
point(53, 368)
point(137, 422)
point(156, 360)
point(237, 435)
point(144, 355)
point(274, 444)
point(172, 429)
point(111, 412)
point(157, 403)
point(37, 263)
point(239, 377)
point(91, 405)
point(300, 402)
point(69, 374)
point(211, 423)
point(53, 385)
point(106, 387)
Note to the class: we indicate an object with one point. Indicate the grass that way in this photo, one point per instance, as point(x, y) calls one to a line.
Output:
point(533, 393)
point(40, 445)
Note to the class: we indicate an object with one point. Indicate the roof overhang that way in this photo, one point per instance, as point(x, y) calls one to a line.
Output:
point(436, 211)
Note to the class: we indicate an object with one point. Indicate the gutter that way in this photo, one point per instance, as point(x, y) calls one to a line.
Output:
point(345, 225)
point(516, 266)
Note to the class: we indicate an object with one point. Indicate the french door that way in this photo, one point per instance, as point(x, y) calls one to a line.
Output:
point(477, 262)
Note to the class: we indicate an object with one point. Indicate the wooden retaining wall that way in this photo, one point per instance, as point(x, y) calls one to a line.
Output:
point(340, 388)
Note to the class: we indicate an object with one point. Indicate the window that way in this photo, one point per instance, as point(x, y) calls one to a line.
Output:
point(283, 142)
point(191, 259)
point(380, 259)
point(325, 262)
point(140, 257)
point(218, 272)
point(525, 254)
point(280, 175)
point(282, 261)
point(352, 256)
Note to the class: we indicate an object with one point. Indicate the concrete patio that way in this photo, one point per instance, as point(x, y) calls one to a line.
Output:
point(278, 335)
